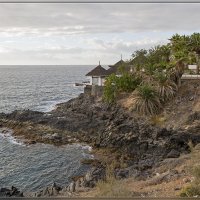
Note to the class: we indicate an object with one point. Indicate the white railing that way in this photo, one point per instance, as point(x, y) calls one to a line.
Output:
point(190, 76)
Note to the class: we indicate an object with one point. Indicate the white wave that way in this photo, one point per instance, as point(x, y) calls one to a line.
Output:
point(7, 134)
point(84, 146)
point(87, 147)
point(49, 106)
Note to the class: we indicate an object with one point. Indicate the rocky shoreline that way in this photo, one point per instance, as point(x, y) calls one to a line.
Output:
point(130, 137)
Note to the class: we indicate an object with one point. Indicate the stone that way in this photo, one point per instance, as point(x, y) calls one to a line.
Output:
point(57, 136)
point(13, 192)
point(72, 187)
point(177, 188)
point(186, 180)
point(122, 173)
point(173, 154)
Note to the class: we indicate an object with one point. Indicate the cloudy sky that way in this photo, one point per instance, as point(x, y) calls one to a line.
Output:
point(86, 33)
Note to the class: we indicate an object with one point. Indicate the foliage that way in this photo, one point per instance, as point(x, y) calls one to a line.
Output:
point(193, 190)
point(110, 89)
point(179, 46)
point(116, 84)
point(159, 69)
point(194, 43)
point(127, 82)
point(139, 59)
point(147, 100)
point(190, 191)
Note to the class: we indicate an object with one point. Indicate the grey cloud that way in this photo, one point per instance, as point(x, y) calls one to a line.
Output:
point(29, 23)
point(98, 18)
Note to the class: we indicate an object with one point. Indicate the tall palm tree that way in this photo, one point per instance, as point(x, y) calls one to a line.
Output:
point(177, 71)
point(194, 45)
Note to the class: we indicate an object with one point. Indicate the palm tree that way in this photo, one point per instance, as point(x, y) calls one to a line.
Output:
point(194, 45)
point(177, 70)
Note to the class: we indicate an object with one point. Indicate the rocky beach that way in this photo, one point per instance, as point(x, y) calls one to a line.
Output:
point(116, 131)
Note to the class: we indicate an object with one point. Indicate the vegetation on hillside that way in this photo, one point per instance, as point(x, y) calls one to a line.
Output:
point(193, 190)
point(156, 73)
point(112, 187)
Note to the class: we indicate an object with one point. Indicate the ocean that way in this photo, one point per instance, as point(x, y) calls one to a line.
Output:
point(39, 88)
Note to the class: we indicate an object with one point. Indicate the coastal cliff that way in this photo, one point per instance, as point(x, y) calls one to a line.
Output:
point(142, 143)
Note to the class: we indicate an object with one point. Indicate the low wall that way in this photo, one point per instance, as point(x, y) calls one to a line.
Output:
point(93, 90)
point(190, 76)
point(87, 90)
point(97, 90)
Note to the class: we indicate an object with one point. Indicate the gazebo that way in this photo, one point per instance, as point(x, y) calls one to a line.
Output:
point(97, 75)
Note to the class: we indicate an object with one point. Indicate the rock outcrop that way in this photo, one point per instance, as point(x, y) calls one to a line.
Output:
point(12, 192)
point(89, 120)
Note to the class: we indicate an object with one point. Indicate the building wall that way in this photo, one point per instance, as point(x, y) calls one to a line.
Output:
point(93, 90)
point(97, 80)
point(97, 91)
point(87, 90)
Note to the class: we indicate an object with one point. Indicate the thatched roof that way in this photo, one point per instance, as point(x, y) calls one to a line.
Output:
point(114, 69)
point(119, 63)
point(98, 71)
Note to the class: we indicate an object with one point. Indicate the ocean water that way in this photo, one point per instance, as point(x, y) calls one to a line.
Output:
point(40, 88)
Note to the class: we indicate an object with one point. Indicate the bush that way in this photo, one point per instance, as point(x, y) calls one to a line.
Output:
point(191, 191)
point(114, 85)
point(127, 82)
point(110, 89)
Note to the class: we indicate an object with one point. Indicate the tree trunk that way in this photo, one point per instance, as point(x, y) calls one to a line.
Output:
point(198, 63)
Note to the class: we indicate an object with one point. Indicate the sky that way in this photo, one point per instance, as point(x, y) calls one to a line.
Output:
point(84, 34)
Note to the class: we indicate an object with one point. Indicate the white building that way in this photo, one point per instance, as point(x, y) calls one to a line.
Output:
point(97, 76)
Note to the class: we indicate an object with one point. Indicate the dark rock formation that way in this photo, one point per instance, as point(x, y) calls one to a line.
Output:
point(91, 121)
point(13, 192)
point(100, 125)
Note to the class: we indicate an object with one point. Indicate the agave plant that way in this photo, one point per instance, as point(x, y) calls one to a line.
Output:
point(146, 100)
point(166, 88)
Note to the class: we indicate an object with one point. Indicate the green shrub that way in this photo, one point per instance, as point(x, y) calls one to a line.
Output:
point(110, 89)
point(127, 82)
point(116, 84)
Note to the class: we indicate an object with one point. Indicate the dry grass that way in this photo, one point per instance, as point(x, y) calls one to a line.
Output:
point(157, 120)
point(111, 187)
point(193, 190)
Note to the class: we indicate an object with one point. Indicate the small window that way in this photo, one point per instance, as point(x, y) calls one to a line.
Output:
point(95, 80)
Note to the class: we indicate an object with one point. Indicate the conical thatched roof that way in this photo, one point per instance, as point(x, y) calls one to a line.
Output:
point(119, 63)
point(97, 71)
point(114, 68)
